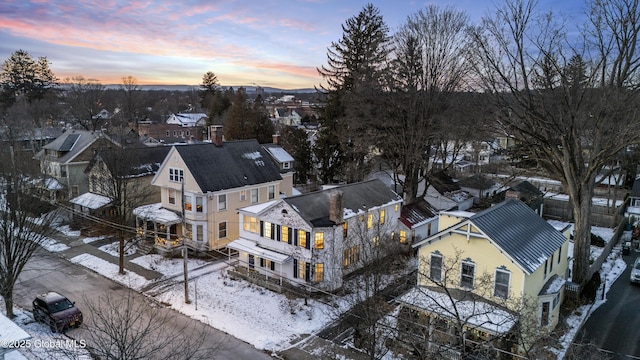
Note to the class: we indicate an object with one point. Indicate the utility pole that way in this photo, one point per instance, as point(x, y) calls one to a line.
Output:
point(184, 248)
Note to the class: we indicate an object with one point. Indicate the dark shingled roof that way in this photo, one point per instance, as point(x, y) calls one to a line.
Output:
point(520, 232)
point(443, 183)
point(138, 161)
point(417, 212)
point(314, 207)
point(232, 165)
point(476, 181)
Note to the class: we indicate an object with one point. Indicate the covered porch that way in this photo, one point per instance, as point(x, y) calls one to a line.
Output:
point(162, 225)
point(255, 259)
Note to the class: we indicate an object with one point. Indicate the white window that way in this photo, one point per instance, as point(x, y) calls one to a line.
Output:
point(188, 206)
point(254, 196)
point(286, 165)
point(199, 233)
point(171, 193)
point(467, 274)
point(222, 202)
point(501, 288)
point(222, 230)
point(243, 195)
point(272, 192)
point(199, 207)
point(435, 267)
point(176, 175)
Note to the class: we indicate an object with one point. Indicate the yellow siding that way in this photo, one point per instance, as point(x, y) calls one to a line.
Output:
point(446, 220)
point(486, 257)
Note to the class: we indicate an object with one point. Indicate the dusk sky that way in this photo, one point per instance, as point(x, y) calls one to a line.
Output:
point(266, 43)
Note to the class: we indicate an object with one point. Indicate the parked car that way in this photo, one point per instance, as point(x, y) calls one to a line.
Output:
point(635, 271)
point(57, 311)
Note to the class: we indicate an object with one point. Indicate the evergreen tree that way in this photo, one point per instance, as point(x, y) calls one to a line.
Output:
point(296, 142)
point(21, 75)
point(353, 80)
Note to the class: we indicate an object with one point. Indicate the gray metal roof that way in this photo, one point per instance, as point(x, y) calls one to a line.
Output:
point(417, 213)
point(232, 165)
point(314, 207)
point(520, 232)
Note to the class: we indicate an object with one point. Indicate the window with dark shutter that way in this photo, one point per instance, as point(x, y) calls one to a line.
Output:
point(295, 237)
point(261, 262)
point(273, 231)
point(261, 228)
point(295, 268)
point(308, 242)
point(307, 272)
point(279, 235)
point(273, 265)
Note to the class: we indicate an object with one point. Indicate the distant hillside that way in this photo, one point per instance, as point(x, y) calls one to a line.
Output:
point(249, 89)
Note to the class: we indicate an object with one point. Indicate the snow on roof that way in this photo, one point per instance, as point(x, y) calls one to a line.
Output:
point(155, 213)
point(91, 200)
point(279, 154)
point(10, 332)
point(255, 209)
point(52, 184)
point(458, 213)
point(253, 248)
point(476, 313)
point(256, 156)
point(594, 201)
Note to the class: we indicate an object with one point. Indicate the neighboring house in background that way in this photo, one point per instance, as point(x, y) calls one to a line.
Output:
point(480, 187)
point(32, 139)
point(317, 238)
point(445, 194)
point(188, 119)
point(525, 192)
point(66, 158)
point(171, 133)
point(418, 220)
point(525, 256)
point(214, 179)
point(123, 173)
point(633, 209)
point(283, 160)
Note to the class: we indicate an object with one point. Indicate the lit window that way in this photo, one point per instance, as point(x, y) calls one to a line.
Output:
point(376, 240)
point(319, 240)
point(243, 195)
point(285, 233)
point(266, 229)
point(172, 196)
point(222, 202)
point(345, 227)
point(187, 202)
point(254, 196)
point(302, 238)
point(272, 192)
point(467, 274)
point(501, 288)
point(199, 204)
point(382, 214)
point(397, 207)
point(251, 224)
point(176, 175)
point(403, 236)
point(435, 268)
point(369, 221)
point(319, 272)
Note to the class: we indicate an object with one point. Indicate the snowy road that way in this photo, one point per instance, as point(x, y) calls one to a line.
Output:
point(48, 271)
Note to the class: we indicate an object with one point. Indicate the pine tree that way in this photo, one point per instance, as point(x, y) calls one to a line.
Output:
point(22, 75)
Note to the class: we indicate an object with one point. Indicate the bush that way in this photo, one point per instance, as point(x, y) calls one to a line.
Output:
point(597, 240)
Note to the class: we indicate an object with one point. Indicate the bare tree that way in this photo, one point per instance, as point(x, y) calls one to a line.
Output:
point(379, 254)
point(24, 225)
point(124, 327)
point(569, 101)
point(85, 98)
point(130, 101)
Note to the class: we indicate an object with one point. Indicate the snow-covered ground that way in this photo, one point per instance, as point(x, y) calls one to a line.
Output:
point(265, 319)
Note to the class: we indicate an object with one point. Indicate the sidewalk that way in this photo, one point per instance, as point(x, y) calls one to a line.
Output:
point(78, 247)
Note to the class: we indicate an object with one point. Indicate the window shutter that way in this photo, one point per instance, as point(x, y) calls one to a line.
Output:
point(308, 244)
point(273, 231)
point(295, 237)
point(279, 236)
point(261, 228)
point(289, 236)
point(295, 268)
point(261, 262)
point(307, 272)
point(273, 266)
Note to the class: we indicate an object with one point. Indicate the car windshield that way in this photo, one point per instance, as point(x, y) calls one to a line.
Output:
point(637, 267)
point(60, 306)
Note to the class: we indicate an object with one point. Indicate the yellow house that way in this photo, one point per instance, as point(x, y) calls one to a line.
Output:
point(201, 188)
point(506, 252)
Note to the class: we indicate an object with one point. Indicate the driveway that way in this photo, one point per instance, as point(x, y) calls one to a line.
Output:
point(613, 327)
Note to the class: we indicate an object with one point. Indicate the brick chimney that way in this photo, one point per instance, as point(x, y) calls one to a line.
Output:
point(336, 206)
point(216, 135)
point(276, 138)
